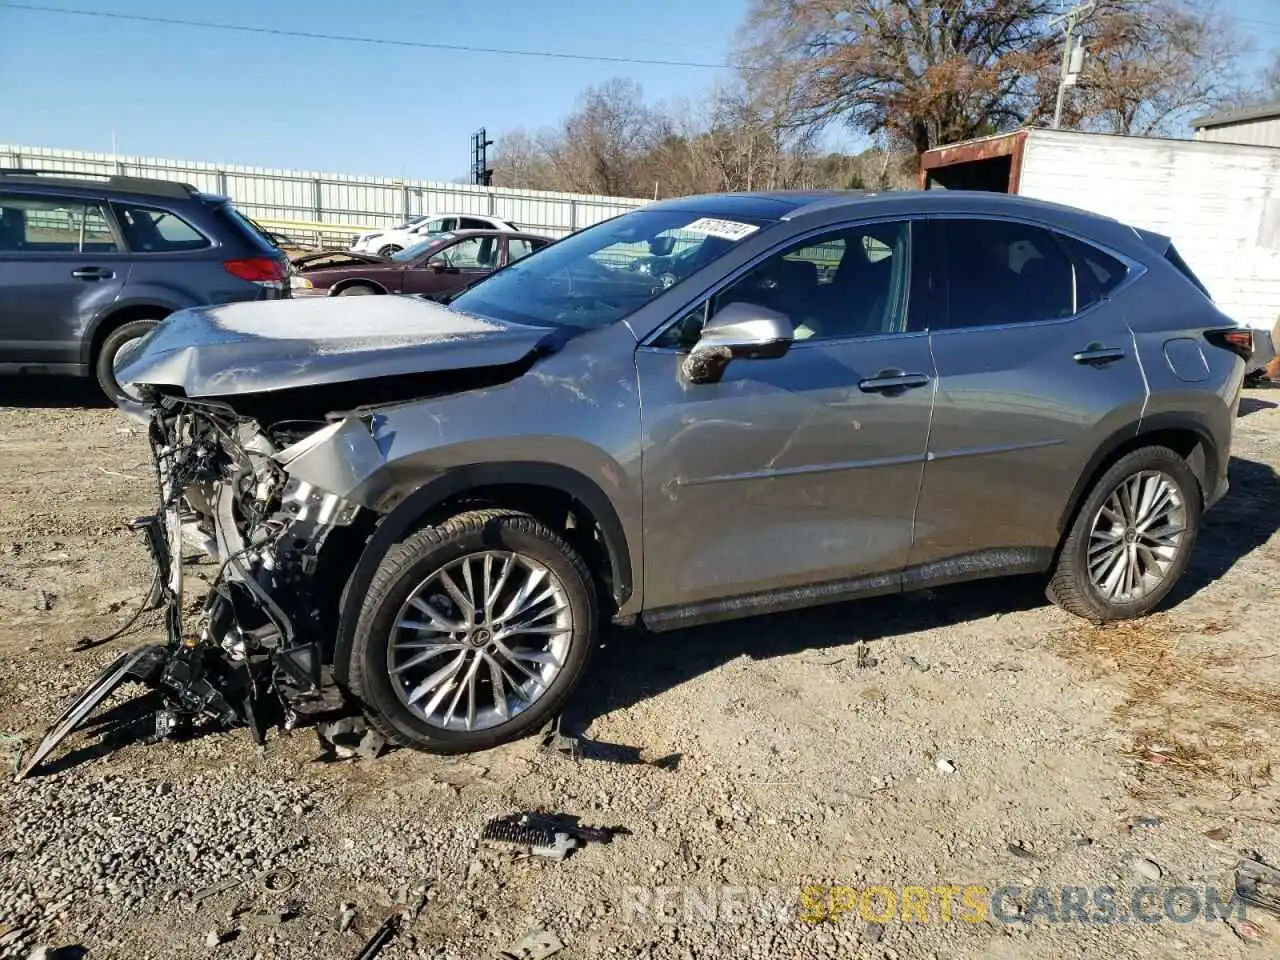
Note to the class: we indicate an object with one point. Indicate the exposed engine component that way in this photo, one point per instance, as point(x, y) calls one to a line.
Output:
point(256, 653)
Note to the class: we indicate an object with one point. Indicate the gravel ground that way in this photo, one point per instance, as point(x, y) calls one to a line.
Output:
point(971, 736)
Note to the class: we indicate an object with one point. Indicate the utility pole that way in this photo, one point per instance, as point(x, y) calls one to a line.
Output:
point(1072, 53)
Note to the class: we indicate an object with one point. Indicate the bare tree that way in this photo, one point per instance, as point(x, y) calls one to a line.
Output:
point(520, 161)
point(1152, 65)
point(1271, 80)
point(925, 71)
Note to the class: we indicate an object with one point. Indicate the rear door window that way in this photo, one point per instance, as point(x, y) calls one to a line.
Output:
point(471, 223)
point(149, 230)
point(1001, 271)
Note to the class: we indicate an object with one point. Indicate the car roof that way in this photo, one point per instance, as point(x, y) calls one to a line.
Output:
point(59, 182)
point(476, 232)
point(793, 204)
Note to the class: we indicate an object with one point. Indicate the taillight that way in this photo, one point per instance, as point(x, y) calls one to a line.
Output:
point(257, 269)
point(1238, 341)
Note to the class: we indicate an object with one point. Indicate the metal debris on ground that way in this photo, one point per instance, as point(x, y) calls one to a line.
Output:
point(556, 742)
point(381, 937)
point(43, 600)
point(1218, 833)
point(911, 661)
point(545, 835)
point(944, 765)
point(1010, 666)
point(220, 887)
point(1018, 850)
point(534, 945)
point(1258, 884)
point(865, 660)
point(1140, 822)
point(345, 918)
point(347, 738)
point(278, 880)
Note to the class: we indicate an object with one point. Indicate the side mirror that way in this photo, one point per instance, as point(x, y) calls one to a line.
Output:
point(741, 331)
point(437, 266)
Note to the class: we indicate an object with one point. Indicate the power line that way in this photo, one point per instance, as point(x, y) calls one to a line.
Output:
point(347, 38)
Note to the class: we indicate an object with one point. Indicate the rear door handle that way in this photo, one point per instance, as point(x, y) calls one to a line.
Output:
point(1097, 355)
point(887, 380)
point(92, 273)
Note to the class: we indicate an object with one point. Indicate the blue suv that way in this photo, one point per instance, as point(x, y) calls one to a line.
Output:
point(88, 265)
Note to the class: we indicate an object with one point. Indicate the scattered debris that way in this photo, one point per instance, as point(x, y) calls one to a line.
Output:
point(348, 738)
point(556, 742)
point(1139, 823)
point(1218, 833)
point(911, 661)
point(44, 601)
point(1258, 884)
point(1081, 840)
point(1010, 666)
point(381, 937)
point(873, 933)
point(1147, 868)
point(944, 765)
point(215, 938)
point(220, 887)
point(278, 880)
point(534, 945)
point(345, 918)
point(546, 835)
point(1018, 850)
point(865, 660)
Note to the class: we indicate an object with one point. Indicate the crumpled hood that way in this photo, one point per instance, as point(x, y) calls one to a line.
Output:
point(277, 344)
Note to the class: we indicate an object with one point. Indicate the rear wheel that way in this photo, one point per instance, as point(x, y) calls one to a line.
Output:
point(473, 633)
point(116, 340)
point(1132, 538)
point(357, 290)
point(389, 249)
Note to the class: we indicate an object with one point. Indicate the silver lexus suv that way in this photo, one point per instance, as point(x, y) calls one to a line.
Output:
point(709, 407)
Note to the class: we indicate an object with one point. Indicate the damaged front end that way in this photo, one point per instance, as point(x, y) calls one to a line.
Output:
point(258, 651)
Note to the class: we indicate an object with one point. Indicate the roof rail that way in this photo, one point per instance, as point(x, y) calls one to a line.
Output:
point(115, 182)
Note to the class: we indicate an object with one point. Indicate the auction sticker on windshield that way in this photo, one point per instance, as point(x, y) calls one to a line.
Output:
point(724, 229)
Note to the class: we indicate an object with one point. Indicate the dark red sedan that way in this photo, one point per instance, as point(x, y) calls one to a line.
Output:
point(435, 266)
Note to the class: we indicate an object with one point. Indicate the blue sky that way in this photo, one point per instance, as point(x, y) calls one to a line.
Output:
point(173, 91)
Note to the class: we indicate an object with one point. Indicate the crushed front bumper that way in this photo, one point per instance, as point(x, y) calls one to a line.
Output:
point(255, 651)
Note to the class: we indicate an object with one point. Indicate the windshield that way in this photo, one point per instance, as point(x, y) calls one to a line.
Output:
point(606, 272)
point(418, 248)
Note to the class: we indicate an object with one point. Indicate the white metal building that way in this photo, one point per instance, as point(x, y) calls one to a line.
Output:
point(1258, 126)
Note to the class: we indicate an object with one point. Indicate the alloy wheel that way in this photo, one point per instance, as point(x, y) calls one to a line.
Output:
point(480, 640)
point(1136, 536)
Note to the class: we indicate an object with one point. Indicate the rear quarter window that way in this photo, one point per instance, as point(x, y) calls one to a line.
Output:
point(151, 230)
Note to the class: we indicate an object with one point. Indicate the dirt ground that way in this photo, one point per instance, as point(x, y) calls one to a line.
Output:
point(970, 736)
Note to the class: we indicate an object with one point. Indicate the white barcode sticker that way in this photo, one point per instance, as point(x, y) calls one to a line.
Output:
point(724, 229)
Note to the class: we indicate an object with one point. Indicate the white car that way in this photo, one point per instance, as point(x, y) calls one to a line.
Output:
point(398, 238)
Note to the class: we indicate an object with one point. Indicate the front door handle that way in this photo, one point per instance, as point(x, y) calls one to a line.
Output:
point(1097, 355)
point(892, 380)
point(92, 273)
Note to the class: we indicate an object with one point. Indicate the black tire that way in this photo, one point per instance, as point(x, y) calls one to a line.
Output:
point(1071, 587)
point(389, 249)
point(406, 566)
point(104, 363)
point(357, 290)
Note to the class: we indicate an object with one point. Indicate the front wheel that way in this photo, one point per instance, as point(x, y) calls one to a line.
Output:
point(389, 249)
point(473, 633)
point(1131, 540)
point(116, 340)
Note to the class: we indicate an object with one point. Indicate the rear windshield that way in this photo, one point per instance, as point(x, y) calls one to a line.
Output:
point(248, 228)
point(1175, 258)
